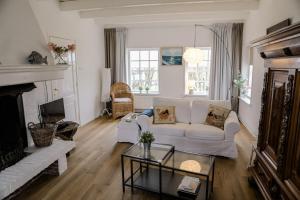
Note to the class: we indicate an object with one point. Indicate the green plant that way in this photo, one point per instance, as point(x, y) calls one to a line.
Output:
point(140, 88)
point(239, 81)
point(147, 137)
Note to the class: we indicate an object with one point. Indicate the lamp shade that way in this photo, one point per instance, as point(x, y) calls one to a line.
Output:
point(192, 56)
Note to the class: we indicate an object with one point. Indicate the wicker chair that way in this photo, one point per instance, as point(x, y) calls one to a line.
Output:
point(122, 99)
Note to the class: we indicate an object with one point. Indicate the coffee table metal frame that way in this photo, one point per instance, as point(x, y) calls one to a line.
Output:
point(145, 163)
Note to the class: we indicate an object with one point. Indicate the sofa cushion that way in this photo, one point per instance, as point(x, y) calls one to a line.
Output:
point(216, 116)
point(177, 129)
point(164, 115)
point(199, 109)
point(204, 132)
point(182, 107)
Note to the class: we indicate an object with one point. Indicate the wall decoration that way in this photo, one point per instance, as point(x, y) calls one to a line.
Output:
point(171, 55)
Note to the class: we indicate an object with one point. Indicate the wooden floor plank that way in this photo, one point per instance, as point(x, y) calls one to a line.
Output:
point(94, 170)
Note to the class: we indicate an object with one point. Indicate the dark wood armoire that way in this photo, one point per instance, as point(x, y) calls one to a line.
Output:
point(276, 168)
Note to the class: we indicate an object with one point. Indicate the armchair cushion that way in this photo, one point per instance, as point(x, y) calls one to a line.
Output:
point(122, 100)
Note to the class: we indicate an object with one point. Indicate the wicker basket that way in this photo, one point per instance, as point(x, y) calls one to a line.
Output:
point(42, 134)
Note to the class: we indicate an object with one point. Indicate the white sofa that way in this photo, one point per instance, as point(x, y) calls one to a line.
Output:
point(189, 133)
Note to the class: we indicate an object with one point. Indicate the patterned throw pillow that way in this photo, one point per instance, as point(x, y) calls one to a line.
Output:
point(216, 116)
point(164, 115)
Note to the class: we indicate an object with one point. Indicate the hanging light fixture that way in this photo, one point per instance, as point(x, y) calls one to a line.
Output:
point(193, 55)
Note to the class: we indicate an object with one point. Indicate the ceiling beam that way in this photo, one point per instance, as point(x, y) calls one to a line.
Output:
point(68, 5)
point(173, 19)
point(170, 9)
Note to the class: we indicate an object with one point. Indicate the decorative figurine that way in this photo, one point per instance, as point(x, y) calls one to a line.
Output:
point(36, 58)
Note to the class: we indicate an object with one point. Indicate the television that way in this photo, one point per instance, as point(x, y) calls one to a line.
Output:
point(53, 112)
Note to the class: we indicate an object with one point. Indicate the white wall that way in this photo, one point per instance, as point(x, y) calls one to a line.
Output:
point(19, 32)
point(171, 78)
point(269, 13)
point(90, 54)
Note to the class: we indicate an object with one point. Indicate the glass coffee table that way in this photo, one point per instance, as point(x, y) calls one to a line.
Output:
point(163, 170)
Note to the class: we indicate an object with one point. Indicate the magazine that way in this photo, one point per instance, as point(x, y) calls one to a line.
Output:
point(189, 185)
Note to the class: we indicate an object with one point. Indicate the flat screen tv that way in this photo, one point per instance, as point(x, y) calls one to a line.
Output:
point(53, 112)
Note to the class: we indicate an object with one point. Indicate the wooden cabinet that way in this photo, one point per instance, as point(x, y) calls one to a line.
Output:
point(276, 168)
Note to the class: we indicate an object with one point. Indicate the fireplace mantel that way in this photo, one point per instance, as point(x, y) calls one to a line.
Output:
point(19, 74)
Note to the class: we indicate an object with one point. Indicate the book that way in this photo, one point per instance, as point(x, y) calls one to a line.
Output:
point(189, 185)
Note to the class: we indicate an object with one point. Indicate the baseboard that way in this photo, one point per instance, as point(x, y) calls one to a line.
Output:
point(247, 127)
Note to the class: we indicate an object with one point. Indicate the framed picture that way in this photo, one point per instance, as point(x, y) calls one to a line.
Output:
point(171, 55)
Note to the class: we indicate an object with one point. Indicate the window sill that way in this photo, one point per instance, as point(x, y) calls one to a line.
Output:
point(195, 95)
point(246, 100)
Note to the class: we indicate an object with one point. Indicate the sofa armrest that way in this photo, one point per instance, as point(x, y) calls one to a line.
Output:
point(231, 126)
point(144, 121)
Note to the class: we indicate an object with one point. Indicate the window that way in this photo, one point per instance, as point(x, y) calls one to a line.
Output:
point(247, 91)
point(143, 70)
point(197, 76)
point(248, 74)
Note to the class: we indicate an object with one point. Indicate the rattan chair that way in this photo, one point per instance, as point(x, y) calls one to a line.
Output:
point(122, 99)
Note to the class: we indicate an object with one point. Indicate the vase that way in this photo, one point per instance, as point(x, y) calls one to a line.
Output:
point(147, 147)
point(60, 59)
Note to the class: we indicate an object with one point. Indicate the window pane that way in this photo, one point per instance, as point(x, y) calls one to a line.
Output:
point(144, 64)
point(134, 65)
point(143, 70)
point(134, 55)
point(153, 55)
point(153, 64)
point(144, 55)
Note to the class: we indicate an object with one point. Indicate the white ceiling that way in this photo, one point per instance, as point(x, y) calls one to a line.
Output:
point(141, 12)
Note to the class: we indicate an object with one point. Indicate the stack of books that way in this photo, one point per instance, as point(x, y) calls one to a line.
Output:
point(189, 185)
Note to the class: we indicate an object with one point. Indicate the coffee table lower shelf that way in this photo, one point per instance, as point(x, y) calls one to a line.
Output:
point(148, 180)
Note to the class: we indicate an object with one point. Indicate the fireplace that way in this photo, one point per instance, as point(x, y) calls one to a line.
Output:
point(13, 135)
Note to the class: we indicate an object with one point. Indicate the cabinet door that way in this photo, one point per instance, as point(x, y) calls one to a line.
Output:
point(276, 90)
point(293, 155)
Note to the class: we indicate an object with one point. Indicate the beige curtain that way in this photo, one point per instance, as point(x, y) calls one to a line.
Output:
point(121, 72)
point(110, 51)
point(226, 62)
point(237, 44)
point(220, 74)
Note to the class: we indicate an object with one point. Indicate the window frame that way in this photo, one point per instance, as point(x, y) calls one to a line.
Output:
point(129, 70)
point(186, 92)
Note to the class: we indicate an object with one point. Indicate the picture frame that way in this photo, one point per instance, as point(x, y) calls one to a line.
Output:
point(171, 56)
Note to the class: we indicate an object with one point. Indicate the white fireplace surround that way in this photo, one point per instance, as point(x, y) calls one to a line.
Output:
point(19, 74)
point(14, 177)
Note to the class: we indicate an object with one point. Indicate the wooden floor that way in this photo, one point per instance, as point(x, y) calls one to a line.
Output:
point(95, 173)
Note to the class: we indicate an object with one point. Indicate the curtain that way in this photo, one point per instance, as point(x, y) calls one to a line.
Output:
point(121, 72)
point(237, 44)
point(221, 74)
point(226, 62)
point(110, 51)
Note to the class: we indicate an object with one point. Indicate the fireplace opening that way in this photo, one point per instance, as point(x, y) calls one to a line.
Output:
point(13, 135)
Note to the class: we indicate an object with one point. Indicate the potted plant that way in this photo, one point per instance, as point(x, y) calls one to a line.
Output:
point(239, 82)
point(147, 138)
point(141, 89)
point(147, 89)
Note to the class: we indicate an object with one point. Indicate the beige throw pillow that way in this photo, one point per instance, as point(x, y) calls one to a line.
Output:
point(164, 115)
point(216, 116)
